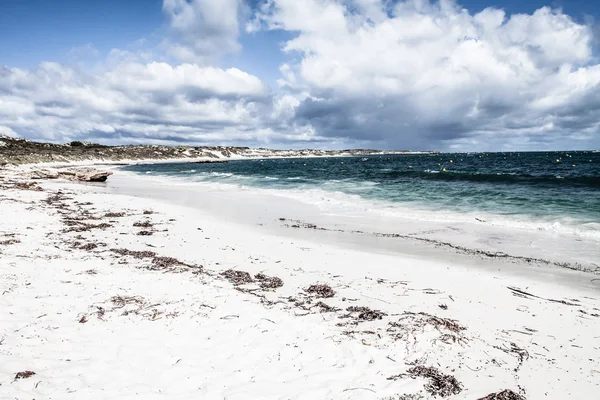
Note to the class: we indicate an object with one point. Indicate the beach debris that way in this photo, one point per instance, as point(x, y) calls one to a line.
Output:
point(366, 314)
point(422, 319)
point(158, 263)
point(503, 395)
point(521, 354)
point(8, 242)
point(325, 308)
point(127, 305)
point(148, 212)
point(521, 293)
point(83, 227)
point(57, 197)
point(443, 306)
point(165, 262)
point(88, 246)
point(24, 374)
point(237, 277)
point(268, 282)
point(414, 396)
point(33, 186)
point(439, 384)
point(114, 214)
point(351, 333)
point(321, 290)
point(134, 254)
point(145, 233)
point(412, 325)
point(143, 224)
point(122, 301)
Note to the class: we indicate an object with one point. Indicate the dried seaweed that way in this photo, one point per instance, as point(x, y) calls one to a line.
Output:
point(321, 290)
point(114, 214)
point(268, 282)
point(143, 224)
point(135, 254)
point(422, 319)
point(165, 262)
point(88, 246)
point(11, 184)
point(87, 227)
point(503, 395)
point(145, 233)
point(122, 301)
point(439, 384)
point(415, 396)
point(237, 277)
point(158, 262)
point(325, 308)
point(516, 351)
point(9, 242)
point(366, 314)
point(24, 374)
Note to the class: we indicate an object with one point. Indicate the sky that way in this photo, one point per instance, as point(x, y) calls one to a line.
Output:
point(464, 75)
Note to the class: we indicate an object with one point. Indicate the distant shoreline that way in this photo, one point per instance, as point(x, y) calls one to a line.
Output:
point(22, 151)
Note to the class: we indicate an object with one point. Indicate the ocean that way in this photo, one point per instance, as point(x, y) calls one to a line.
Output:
point(551, 191)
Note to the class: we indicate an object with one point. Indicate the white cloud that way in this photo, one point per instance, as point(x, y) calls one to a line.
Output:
point(203, 29)
point(133, 101)
point(420, 72)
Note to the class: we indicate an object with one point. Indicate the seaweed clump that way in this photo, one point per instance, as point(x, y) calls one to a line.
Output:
point(439, 383)
point(321, 290)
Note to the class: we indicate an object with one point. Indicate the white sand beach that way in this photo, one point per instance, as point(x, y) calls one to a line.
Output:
point(125, 290)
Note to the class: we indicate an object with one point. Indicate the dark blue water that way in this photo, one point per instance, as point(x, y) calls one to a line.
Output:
point(551, 187)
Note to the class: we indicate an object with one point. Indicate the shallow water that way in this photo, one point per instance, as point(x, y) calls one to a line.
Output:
point(553, 191)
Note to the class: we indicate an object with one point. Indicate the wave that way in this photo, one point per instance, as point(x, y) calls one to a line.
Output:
point(352, 197)
point(502, 178)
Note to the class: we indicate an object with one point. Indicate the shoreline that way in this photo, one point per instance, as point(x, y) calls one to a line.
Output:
point(472, 236)
point(483, 330)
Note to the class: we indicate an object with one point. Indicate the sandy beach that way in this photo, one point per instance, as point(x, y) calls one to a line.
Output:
point(125, 289)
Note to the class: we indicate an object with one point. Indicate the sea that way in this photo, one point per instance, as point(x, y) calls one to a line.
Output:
point(549, 191)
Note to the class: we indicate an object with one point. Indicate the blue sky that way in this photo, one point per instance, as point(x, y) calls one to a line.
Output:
point(43, 30)
point(311, 93)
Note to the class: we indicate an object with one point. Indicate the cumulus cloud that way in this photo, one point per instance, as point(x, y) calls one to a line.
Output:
point(203, 29)
point(425, 74)
point(138, 102)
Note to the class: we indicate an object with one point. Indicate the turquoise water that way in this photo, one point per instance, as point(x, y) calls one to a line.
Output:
point(551, 187)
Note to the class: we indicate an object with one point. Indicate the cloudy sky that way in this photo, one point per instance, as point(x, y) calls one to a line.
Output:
point(412, 74)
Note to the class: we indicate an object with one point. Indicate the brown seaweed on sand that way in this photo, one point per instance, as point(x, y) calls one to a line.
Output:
point(439, 383)
point(143, 224)
point(9, 242)
point(321, 290)
point(503, 395)
point(268, 282)
point(87, 227)
point(237, 277)
point(114, 214)
point(366, 314)
point(24, 374)
point(135, 254)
